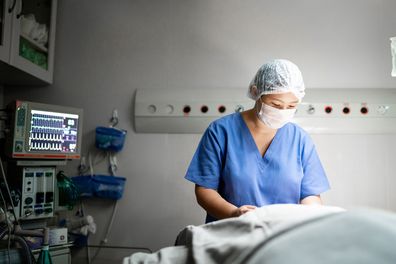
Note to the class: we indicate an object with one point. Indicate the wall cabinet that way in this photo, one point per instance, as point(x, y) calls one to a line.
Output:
point(5, 31)
point(27, 41)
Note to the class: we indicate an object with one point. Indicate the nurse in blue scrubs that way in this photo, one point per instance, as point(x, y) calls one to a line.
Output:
point(257, 157)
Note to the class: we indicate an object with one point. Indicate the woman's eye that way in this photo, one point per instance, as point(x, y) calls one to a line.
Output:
point(292, 106)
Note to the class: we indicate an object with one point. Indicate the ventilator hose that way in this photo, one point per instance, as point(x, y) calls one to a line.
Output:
point(3, 231)
point(25, 249)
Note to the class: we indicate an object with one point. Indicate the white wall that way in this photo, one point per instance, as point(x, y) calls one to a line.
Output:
point(107, 49)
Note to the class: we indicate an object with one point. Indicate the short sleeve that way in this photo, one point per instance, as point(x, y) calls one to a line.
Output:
point(314, 181)
point(206, 164)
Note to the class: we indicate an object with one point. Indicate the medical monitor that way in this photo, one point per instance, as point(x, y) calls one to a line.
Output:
point(44, 131)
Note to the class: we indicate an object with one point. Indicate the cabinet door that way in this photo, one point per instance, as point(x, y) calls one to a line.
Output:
point(30, 51)
point(5, 27)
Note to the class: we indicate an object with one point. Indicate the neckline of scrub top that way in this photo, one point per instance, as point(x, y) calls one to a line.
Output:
point(253, 144)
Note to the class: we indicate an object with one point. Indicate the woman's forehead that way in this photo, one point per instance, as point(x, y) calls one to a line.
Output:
point(283, 97)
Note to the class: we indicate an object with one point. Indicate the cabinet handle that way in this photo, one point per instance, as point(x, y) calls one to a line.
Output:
point(20, 11)
point(11, 8)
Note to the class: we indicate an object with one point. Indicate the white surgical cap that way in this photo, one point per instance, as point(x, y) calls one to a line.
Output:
point(275, 77)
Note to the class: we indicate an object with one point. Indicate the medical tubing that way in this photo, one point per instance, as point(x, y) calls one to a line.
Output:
point(5, 204)
point(104, 240)
point(21, 232)
point(113, 163)
point(281, 232)
point(93, 162)
point(7, 222)
point(25, 248)
point(88, 252)
point(114, 118)
point(8, 225)
point(8, 189)
point(21, 240)
point(88, 248)
point(9, 246)
point(84, 169)
point(111, 220)
point(3, 231)
point(121, 247)
point(18, 231)
point(5, 210)
point(90, 164)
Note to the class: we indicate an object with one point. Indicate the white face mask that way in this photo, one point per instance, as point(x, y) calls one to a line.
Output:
point(273, 117)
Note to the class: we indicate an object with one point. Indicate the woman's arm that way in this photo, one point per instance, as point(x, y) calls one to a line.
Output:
point(312, 199)
point(216, 206)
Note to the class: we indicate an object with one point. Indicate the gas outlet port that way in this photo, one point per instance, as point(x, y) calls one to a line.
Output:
point(222, 109)
point(239, 108)
point(364, 110)
point(186, 109)
point(204, 109)
point(311, 110)
point(328, 109)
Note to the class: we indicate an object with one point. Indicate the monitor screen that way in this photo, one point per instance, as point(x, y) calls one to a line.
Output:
point(44, 131)
point(53, 132)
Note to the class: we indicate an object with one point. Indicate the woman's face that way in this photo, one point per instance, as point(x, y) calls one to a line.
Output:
point(280, 101)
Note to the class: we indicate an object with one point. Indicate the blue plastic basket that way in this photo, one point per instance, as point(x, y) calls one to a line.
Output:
point(102, 186)
point(110, 138)
point(110, 187)
point(84, 185)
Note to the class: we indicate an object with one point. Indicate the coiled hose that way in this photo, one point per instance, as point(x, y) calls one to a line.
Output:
point(26, 254)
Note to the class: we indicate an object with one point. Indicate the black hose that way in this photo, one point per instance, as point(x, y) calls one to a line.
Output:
point(25, 249)
point(3, 230)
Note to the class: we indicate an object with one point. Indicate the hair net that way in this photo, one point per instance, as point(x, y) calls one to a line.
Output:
point(275, 77)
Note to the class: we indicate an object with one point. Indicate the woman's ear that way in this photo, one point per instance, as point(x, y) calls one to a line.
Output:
point(254, 91)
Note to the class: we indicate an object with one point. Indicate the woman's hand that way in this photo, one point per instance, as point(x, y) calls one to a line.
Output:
point(216, 206)
point(243, 210)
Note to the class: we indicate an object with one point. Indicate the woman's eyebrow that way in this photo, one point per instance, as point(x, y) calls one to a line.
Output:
point(294, 102)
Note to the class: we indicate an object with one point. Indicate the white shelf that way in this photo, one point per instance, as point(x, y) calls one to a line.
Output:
point(34, 43)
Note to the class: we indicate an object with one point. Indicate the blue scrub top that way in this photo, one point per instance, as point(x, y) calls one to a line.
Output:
point(227, 160)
